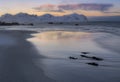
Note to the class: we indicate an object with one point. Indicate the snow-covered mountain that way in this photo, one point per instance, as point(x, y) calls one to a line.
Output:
point(19, 18)
point(72, 18)
point(26, 18)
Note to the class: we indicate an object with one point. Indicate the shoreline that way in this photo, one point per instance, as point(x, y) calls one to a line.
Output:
point(17, 59)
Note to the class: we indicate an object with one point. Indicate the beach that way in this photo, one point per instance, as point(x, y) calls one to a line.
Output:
point(31, 56)
point(17, 59)
point(59, 40)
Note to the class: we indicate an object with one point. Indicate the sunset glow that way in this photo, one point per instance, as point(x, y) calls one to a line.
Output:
point(61, 7)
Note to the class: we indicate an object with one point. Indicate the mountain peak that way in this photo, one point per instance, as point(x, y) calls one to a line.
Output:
point(47, 15)
point(6, 15)
point(74, 14)
point(22, 13)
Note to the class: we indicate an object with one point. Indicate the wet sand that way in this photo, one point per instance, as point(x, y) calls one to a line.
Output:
point(59, 46)
point(17, 58)
point(24, 58)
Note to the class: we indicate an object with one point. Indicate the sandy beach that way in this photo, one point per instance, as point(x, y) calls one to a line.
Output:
point(59, 40)
point(17, 59)
point(29, 56)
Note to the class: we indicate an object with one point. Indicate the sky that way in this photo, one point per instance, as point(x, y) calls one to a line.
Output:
point(61, 7)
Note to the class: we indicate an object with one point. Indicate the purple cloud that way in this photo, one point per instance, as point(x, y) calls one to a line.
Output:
point(48, 8)
point(61, 8)
point(95, 7)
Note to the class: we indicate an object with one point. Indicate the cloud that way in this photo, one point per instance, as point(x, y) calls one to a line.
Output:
point(95, 7)
point(71, 7)
point(48, 8)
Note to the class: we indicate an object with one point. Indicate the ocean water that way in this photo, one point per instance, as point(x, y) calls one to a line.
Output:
point(90, 27)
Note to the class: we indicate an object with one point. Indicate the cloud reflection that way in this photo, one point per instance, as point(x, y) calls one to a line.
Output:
point(60, 35)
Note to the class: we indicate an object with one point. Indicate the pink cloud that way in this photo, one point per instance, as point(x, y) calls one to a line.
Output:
point(63, 7)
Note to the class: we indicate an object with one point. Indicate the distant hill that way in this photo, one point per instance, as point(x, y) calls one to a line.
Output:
point(25, 18)
point(105, 18)
point(13, 23)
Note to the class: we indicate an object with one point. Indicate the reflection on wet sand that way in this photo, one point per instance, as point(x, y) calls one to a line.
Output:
point(61, 35)
point(64, 63)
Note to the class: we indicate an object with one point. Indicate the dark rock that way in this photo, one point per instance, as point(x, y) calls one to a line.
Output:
point(61, 23)
point(92, 57)
point(85, 56)
point(73, 58)
point(85, 52)
point(96, 58)
point(93, 64)
point(31, 24)
point(76, 24)
point(50, 23)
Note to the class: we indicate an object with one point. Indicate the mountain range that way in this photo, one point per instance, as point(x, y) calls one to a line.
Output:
point(25, 18)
